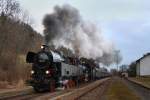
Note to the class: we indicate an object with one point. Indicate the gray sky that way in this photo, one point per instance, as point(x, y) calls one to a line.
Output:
point(125, 22)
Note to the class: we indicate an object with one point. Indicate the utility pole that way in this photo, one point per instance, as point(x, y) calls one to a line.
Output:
point(117, 58)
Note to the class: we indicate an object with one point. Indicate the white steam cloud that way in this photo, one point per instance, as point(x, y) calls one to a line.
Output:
point(65, 27)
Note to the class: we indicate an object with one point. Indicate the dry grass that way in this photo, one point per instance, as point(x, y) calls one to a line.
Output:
point(16, 85)
point(119, 91)
point(16, 75)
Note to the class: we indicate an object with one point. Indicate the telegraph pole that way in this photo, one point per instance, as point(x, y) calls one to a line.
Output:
point(117, 58)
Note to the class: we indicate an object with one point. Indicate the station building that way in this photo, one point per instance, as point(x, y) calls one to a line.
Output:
point(143, 65)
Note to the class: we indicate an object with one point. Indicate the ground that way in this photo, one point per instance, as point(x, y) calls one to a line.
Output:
point(113, 88)
point(118, 90)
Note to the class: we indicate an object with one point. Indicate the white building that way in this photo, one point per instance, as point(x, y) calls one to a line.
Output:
point(143, 65)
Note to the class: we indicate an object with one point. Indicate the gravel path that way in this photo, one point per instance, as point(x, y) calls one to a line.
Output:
point(142, 92)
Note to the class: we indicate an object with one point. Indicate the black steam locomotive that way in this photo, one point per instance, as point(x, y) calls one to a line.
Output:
point(50, 69)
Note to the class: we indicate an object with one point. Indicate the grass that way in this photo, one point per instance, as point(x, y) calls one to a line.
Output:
point(144, 80)
point(119, 91)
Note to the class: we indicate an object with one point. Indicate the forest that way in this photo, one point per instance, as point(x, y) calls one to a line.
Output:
point(17, 37)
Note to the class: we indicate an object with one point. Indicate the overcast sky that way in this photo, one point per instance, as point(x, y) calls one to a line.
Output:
point(125, 22)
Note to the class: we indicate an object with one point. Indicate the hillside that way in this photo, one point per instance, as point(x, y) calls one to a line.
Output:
point(16, 39)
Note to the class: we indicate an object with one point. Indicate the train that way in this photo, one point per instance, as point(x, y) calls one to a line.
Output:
point(50, 69)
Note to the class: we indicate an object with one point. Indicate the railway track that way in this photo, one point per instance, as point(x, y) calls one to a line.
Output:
point(21, 97)
point(30, 95)
point(57, 94)
point(75, 93)
point(9, 95)
point(78, 94)
point(13, 93)
point(96, 93)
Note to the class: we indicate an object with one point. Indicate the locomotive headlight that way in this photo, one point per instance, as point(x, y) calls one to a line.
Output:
point(32, 71)
point(47, 72)
point(42, 47)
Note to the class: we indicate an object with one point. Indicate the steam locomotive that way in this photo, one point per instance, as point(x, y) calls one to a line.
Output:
point(50, 69)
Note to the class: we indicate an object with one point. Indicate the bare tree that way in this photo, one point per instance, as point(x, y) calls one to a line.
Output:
point(9, 8)
point(26, 17)
point(117, 57)
point(16, 38)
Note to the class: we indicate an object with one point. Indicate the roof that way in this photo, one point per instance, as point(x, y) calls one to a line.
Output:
point(147, 54)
